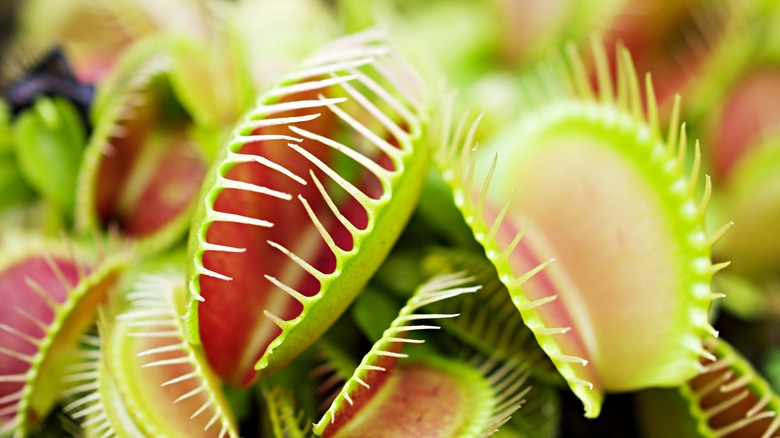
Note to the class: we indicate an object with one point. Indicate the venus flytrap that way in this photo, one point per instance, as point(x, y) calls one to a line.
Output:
point(146, 379)
point(400, 395)
point(91, 397)
point(488, 322)
point(51, 294)
point(489, 325)
point(729, 398)
point(568, 241)
point(591, 219)
point(152, 144)
point(302, 205)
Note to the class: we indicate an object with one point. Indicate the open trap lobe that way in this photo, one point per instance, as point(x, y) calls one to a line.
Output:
point(263, 263)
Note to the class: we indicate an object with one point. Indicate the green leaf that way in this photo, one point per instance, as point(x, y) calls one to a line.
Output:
point(13, 186)
point(49, 139)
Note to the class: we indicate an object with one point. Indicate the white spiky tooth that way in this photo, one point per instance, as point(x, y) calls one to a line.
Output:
point(552, 330)
point(404, 80)
point(145, 313)
point(180, 379)
point(88, 410)
point(93, 396)
point(218, 216)
point(682, 146)
point(362, 382)
point(385, 96)
point(156, 334)
point(33, 319)
point(341, 58)
point(235, 158)
point(20, 334)
point(711, 330)
point(370, 135)
point(352, 229)
point(443, 295)
point(13, 397)
point(9, 411)
point(530, 305)
point(276, 108)
point(737, 383)
point(188, 394)
point(265, 122)
point(297, 260)
point(517, 282)
point(570, 359)
point(303, 299)
point(510, 248)
point(158, 350)
point(334, 248)
point(118, 131)
point(707, 354)
point(206, 246)
point(359, 158)
point(714, 385)
point(581, 382)
point(408, 328)
point(281, 323)
point(258, 138)
point(165, 362)
point(444, 282)
point(726, 404)
point(364, 200)
point(13, 378)
point(405, 340)
point(17, 355)
point(208, 403)
point(392, 127)
point(213, 420)
point(760, 404)
point(301, 87)
point(718, 234)
point(719, 267)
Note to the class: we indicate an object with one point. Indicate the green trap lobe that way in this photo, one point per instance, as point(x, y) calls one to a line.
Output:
point(18, 301)
point(150, 172)
point(729, 398)
point(303, 204)
point(591, 237)
point(433, 398)
point(248, 332)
